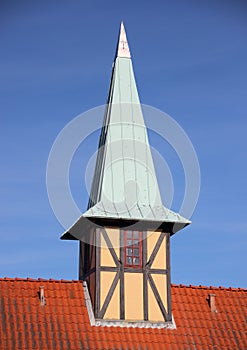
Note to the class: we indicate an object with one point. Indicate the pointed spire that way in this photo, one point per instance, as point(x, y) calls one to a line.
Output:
point(123, 47)
point(125, 185)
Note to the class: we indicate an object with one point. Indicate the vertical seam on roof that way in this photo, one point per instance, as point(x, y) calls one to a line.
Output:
point(120, 116)
point(95, 193)
point(106, 126)
point(133, 130)
point(146, 152)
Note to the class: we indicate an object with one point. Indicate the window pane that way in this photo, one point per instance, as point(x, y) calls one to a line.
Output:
point(129, 242)
point(136, 234)
point(135, 242)
point(129, 251)
point(129, 234)
point(136, 261)
point(129, 260)
point(136, 252)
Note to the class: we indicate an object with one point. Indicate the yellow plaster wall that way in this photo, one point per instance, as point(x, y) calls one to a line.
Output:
point(152, 238)
point(160, 259)
point(133, 282)
point(105, 256)
point(133, 290)
point(161, 284)
point(113, 309)
point(114, 235)
point(154, 313)
point(106, 279)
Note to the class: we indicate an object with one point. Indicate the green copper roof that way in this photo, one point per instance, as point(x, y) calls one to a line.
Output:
point(124, 184)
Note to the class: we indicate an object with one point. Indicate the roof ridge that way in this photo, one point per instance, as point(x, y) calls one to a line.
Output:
point(208, 287)
point(190, 286)
point(30, 279)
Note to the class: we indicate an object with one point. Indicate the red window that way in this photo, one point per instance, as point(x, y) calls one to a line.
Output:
point(133, 248)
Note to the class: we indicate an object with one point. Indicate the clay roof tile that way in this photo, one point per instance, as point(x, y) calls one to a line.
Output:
point(64, 323)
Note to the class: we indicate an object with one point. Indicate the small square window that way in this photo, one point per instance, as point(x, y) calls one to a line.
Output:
point(132, 249)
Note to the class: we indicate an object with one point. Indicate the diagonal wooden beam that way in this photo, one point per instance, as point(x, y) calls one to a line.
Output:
point(158, 298)
point(156, 248)
point(110, 247)
point(89, 272)
point(109, 295)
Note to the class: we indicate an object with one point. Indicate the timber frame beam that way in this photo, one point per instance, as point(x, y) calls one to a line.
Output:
point(119, 269)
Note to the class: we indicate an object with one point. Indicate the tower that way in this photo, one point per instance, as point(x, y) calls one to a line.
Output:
point(125, 233)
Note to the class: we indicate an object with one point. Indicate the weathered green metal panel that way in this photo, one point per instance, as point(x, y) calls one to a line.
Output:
point(125, 184)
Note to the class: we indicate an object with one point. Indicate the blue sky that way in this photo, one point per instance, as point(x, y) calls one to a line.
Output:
point(190, 61)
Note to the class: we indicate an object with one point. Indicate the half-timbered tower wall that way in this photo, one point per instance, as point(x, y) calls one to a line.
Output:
point(132, 271)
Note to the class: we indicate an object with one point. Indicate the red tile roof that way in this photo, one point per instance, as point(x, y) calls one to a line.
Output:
point(63, 323)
